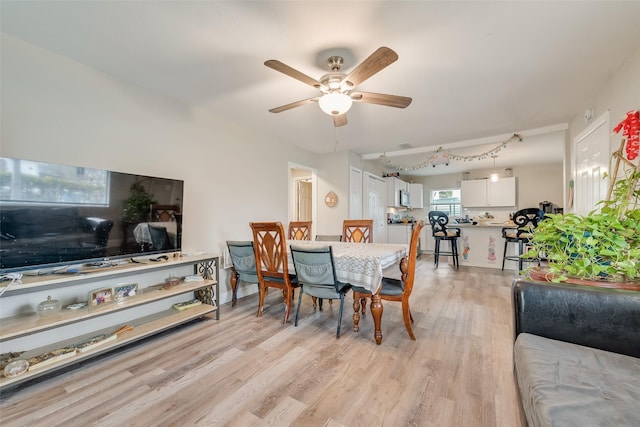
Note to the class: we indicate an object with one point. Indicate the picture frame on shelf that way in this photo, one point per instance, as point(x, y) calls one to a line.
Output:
point(100, 297)
point(125, 290)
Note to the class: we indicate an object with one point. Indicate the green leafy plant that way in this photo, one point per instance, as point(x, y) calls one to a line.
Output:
point(136, 208)
point(603, 245)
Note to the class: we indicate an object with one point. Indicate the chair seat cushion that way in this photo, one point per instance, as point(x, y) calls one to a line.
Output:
point(448, 234)
point(392, 287)
point(326, 291)
point(564, 384)
point(248, 277)
point(514, 235)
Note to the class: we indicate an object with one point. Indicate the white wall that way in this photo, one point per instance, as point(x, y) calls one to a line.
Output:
point(621, 93)
point(54, 109)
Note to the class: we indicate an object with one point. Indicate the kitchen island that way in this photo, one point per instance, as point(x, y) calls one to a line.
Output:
point(482, 245)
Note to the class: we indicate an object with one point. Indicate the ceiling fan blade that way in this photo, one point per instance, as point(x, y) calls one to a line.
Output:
point(293, 105)
point(340, 120)
point(292, 72)
point(381, 99)
point(378, 60)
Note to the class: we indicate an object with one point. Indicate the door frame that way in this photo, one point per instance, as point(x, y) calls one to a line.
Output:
point(291, 193)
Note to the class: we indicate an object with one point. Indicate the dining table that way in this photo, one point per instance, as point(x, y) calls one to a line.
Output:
point(361, 265)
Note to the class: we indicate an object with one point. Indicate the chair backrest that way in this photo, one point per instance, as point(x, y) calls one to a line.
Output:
point(269, 246)
point(300, 230)
point(159, 237)
point(314, 266)
point(408, 263)
point(438, 221)
point(357, 230)
point(526, 220)
point(328, 237)
point(163, 213)
point(243, 257)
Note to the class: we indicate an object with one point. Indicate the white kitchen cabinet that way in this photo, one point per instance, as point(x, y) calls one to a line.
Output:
point(394, 185)
point(416, 196)
point(485, 193)
point(427, 243)
point(399, 233)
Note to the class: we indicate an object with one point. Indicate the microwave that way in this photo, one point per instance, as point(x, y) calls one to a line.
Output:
point(404, 198)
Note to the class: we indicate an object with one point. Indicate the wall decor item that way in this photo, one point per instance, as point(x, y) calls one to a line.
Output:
point(444, 157)
point(100, 296)
point(125, 290)
point(331, 199)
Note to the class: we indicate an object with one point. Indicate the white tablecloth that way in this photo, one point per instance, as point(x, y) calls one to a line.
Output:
point(141, 232)
point(360, 264)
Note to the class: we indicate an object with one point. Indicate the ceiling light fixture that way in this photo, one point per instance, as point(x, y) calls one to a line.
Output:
point(494, 175)
point(335, 103)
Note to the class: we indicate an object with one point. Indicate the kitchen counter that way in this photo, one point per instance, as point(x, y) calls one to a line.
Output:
point(482, 245)
point(499, 224)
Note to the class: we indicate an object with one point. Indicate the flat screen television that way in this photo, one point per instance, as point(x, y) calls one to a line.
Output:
point(53, 216)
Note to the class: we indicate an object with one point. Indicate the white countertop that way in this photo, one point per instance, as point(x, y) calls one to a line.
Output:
point(499, 224)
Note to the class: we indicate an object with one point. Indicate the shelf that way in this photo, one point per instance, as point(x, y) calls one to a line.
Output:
point(143, 327)
point(17, 326)
point(86, 274)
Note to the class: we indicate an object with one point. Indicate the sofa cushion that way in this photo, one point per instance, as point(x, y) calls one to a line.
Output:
point(564, 384)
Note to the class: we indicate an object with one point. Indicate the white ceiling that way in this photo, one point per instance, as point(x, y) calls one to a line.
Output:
point(477, 71)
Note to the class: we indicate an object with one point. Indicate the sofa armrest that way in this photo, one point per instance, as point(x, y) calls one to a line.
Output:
point(608, 319)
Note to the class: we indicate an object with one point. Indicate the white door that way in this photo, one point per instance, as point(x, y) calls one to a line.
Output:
point(591, 149)
point(375, 193)
point(304, 200)
point(355, 193)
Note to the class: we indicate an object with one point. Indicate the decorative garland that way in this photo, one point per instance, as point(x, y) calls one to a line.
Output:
point(443, 157)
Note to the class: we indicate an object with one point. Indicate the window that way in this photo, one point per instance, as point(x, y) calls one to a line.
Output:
point(25, 181)
point(446, 200)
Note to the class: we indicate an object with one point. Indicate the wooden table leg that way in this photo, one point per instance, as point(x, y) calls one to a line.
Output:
point(376, 313)
point(356, 313)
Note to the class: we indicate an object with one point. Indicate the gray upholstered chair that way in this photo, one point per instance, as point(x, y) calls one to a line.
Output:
point(159, 238)
point(243, 259)
point(316, 275)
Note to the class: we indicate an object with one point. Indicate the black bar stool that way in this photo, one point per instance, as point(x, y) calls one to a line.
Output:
point(440, 232)
point(526, 220)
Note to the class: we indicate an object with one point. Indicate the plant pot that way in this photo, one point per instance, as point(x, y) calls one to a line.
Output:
point(541, 274)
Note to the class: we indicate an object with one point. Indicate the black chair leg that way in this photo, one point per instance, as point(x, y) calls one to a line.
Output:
point(295, 323)
point(504, 253)
point(437, 253)
point(520, 252)
point(454, 249)
point(340, 315)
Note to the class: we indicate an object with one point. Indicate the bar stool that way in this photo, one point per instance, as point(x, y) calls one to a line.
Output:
point(440, 232)
point(526, 221)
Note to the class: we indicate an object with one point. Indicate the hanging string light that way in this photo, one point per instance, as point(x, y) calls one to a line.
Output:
point(443, 157)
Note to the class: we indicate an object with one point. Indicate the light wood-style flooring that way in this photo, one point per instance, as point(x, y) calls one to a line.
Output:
point(249, 371)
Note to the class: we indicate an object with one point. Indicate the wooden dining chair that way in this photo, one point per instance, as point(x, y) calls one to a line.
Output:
point(400, 289)
point(163, 213)
point(272, 266)
point(357, 230)
point(300, 230)
point(316, 275)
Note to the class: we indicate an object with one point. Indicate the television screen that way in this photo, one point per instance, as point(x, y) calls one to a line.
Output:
point(53, 215)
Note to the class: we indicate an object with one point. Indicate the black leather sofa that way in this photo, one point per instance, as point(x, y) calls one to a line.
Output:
point(43, 236)
point(577, 354)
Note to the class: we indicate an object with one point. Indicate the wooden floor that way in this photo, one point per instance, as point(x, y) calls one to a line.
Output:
point(249, 371)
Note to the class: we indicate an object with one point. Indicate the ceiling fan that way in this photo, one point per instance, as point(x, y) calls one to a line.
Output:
point(338, 88)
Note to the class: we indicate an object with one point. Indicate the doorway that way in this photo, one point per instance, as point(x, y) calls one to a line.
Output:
point(302, 194)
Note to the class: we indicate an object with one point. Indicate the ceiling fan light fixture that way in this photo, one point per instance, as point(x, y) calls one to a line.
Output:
point(335, 103)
